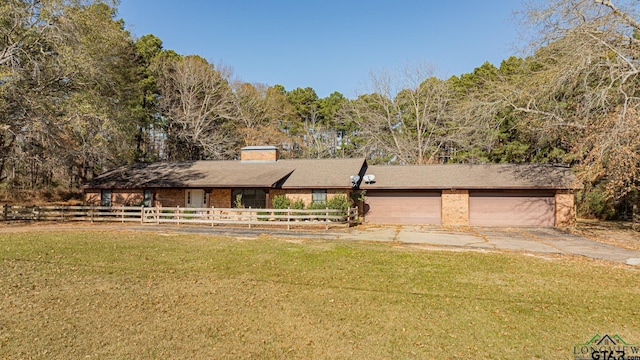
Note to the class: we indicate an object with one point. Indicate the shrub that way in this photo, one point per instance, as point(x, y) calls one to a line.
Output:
point(238, 202)
point(281, 202)
point(263, 215)
point(317, 206)
point(340, 202)
point(298, 204)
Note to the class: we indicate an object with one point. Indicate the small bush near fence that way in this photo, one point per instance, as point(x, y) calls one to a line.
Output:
point(338, 202)
point(282, 202)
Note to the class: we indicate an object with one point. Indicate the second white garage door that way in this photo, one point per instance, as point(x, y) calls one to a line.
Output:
point(402, 207)
point(511, 209)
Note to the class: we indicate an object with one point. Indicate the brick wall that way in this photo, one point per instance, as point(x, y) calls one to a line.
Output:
point(304, 195)
point(455, 207)
point(259, 154)
point(170, 197)
point(220, 198)
point(118, 197)
point(565, 209)
point(92, 197)
point(127, 197)
point(334, 192)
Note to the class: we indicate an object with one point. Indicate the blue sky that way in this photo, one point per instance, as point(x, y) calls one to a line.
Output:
point(329, 45)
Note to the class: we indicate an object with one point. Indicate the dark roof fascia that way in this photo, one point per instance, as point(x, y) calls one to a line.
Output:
point(370, 187)
point(317, 187)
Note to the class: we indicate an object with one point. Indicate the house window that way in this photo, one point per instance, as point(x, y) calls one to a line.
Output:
point(148, 196)
point(105, 197)
point(249, 198)
point(319, 196)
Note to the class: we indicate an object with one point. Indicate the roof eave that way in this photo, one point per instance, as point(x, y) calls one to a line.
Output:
point(495, 188)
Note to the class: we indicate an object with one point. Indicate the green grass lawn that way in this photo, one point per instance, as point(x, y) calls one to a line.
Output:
point(123, 295)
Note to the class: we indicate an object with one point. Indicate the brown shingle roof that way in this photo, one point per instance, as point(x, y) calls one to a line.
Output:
point(333, 173)
point(459, 176)
point(322, 173)
point(319, 173)
point(191, 174)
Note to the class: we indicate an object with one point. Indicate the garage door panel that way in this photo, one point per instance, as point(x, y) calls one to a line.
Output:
point(403, 208)
point(511, 209)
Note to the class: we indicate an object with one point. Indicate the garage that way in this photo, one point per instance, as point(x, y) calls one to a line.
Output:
point(511, 209)
point(402, 207)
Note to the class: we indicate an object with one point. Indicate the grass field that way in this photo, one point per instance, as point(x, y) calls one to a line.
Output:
point(124, 295)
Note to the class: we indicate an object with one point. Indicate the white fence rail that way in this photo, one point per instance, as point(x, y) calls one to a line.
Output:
point(178, 215)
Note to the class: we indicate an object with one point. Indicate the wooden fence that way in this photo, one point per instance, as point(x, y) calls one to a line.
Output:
point(177, 215)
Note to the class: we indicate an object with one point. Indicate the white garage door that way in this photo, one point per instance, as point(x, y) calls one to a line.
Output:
point(511, 209)
point(402, 207)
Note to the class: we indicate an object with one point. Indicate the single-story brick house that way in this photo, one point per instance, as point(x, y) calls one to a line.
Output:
point(257, 178)
point(497, 194)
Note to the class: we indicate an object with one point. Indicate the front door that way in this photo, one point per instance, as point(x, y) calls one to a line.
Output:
point(194, 198)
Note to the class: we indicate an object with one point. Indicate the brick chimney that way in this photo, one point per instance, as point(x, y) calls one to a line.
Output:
point(259, 154)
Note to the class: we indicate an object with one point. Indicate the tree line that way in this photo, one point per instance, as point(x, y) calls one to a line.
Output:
point(79, 95)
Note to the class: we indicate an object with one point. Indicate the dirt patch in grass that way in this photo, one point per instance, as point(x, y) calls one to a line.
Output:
point(115, 295)
point(616, 233)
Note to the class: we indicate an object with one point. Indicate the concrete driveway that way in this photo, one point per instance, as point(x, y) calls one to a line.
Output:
point(528, 240)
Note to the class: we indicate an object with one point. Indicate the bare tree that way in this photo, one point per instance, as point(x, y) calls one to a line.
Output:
point(584, 85)
point(198, 105)
point(414, 118)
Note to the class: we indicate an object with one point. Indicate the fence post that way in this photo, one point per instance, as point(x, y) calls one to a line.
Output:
point(157, 214)
point(178, 214)
point(250, 211)
point(288, 218)
point(350, 214)
point(326, 219)
point(62, 212)
point(213, 215)
point(5, 212)
point(142, 214)
point(91, 212)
